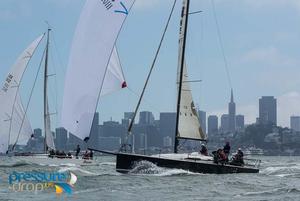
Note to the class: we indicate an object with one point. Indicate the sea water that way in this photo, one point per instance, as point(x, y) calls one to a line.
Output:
point(279, 179)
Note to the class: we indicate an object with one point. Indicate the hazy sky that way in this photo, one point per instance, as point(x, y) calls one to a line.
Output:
point(261, 42)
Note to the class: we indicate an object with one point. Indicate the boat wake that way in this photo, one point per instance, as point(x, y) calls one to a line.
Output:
point(148, 168)
point(273, 192)
point(283, 171)
point(77, 170)
point(16, 164)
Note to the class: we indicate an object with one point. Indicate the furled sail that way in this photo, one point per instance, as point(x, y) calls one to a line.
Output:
point(11, 109)
point(188, 124)
point(92, 48)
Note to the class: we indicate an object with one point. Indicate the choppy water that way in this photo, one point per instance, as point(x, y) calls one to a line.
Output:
point(279, 179)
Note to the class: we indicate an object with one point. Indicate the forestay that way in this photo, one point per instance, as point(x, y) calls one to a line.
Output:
point(11, 109)
point(93, 43)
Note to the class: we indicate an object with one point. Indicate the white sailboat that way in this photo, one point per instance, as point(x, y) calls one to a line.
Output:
point(14, 125)
point(17, 126)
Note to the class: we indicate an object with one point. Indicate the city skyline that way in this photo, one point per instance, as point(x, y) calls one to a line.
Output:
point(259, 64)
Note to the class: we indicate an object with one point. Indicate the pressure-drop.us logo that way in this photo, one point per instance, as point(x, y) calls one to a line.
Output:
point(61, 182)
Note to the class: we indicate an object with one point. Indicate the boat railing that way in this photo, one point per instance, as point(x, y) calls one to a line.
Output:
point(252, 162)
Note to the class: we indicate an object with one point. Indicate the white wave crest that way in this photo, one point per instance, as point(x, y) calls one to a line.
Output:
point(282, 171)
point(76, 170)
point(148, 168)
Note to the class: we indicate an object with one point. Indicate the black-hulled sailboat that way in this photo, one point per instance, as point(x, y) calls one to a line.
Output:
point(187, 127)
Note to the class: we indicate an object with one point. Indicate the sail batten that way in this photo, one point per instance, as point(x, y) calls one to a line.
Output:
point(14, 125)
point(92, 49)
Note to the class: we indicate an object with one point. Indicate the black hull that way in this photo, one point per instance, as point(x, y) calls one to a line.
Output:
point(125, 163)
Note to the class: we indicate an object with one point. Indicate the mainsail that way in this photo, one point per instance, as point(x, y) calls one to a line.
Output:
point(92, 48)
point(11, 109)
point(49, 142)
point(189, 126)
point(188, 122)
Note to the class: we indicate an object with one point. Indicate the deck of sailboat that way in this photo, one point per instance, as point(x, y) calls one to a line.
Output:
point(126, 162)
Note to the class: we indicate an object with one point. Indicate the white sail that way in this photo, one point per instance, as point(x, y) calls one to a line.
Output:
point(11, 109)
point(49, 142)
point(48, 133)
point(188, 124)
point(114, 78)
point(20, 126)
point(93, 43)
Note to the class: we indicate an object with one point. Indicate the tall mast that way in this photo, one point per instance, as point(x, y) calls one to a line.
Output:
point(46, 112)
point(182, 44)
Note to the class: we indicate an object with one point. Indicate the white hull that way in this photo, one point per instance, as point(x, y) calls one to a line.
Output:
point(44, 160)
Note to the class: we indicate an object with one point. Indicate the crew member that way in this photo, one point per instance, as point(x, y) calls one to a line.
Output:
point(203, 150)
point(226, 150)
point(77, 151)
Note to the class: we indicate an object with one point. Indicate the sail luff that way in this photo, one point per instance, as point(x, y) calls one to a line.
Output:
point(9, 97)
point(182, 44)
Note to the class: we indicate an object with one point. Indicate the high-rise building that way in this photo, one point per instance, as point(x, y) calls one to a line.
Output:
point(212, 124)
point(146, 118)
point(167, 122)
point(268, 110)
point(36, 142)
point(110, 143)
point(128, 116)
point(224, 123)
point(240, 122)
point(61, 138)
point(295, 123)
point(202, 119)
point(37, 132)
point(231, 114)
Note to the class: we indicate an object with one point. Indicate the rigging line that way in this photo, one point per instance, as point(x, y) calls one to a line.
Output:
point(152, 66)
point(58, 55)
point(60, 68)
point(54, 91)
point(30, 96)
point(221, 43)
point(146, 101)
